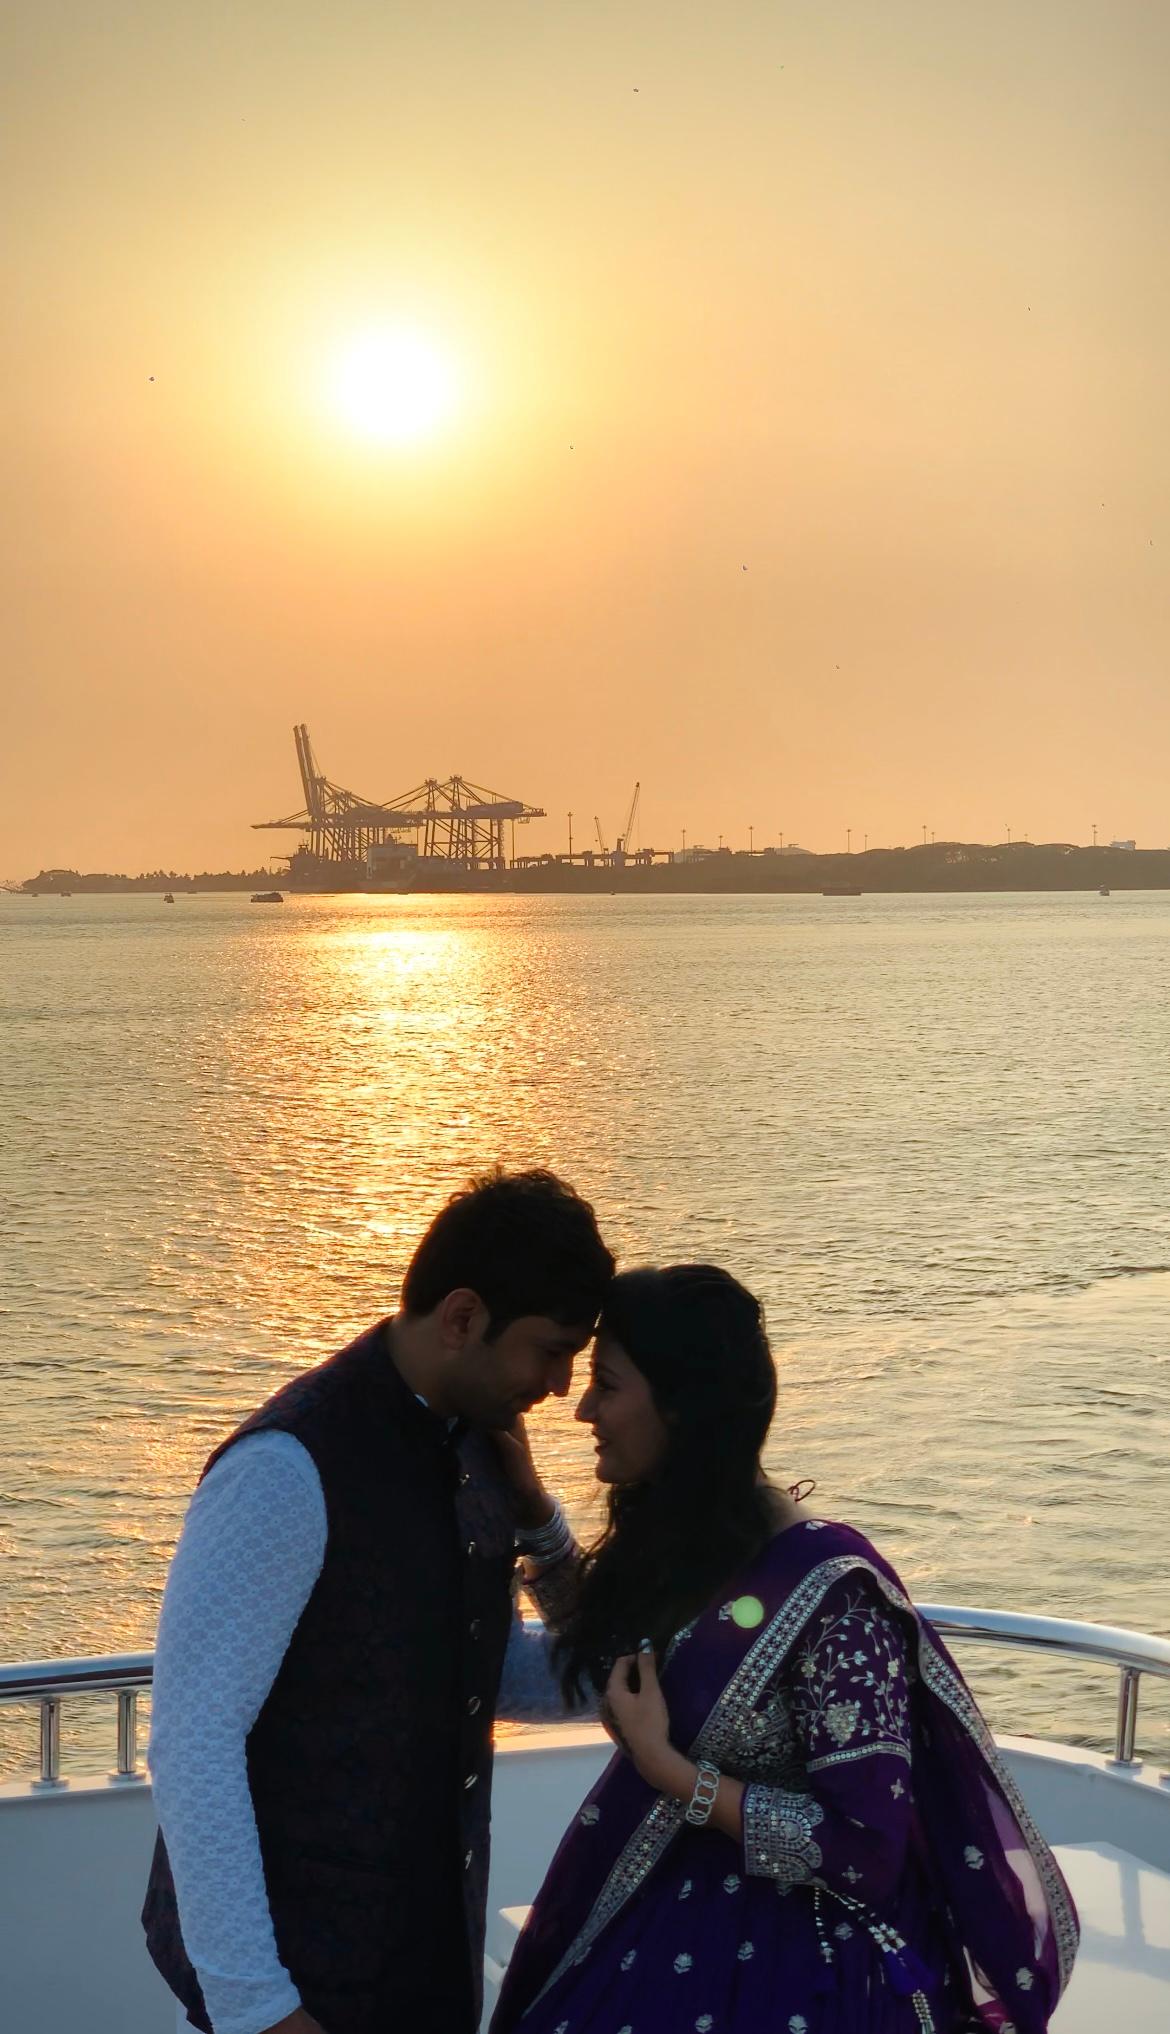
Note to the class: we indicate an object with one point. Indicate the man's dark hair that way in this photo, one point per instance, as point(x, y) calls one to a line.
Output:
point(524, 1241)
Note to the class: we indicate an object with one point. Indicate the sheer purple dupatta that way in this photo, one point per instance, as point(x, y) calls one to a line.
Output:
point(1014, 1918)
point(1009, 1912)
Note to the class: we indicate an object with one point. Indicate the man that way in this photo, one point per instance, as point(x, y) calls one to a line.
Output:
point(332, 1638)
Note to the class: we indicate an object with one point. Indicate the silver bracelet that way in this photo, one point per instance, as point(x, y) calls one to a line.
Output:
point(553, 1537)
point(703, 1798)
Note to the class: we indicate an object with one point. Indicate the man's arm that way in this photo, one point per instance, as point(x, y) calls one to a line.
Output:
point(250, 1552)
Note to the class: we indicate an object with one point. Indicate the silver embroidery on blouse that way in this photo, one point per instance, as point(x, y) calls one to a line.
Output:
point(778, 1836)
point(842, 1658)
point(862, 1751)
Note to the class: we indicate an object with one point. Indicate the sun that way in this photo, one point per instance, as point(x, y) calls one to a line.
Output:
point(393, 387)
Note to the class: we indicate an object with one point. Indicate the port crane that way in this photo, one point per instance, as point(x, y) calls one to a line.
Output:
point(623, 840)
point(451, 821)
point(621, 850)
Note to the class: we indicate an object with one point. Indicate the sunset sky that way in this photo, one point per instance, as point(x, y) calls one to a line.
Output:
point(873, 301)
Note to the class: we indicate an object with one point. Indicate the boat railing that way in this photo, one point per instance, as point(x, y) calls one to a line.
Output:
point(49, 1683)
point(1133, 1653)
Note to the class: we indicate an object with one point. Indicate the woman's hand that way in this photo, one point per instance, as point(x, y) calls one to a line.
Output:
point(531, 1502)
point(638, 1721)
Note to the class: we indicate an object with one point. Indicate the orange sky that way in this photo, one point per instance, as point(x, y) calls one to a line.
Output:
point(872, 300)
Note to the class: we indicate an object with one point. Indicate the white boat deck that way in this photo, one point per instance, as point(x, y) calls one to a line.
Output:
point(74, 1858)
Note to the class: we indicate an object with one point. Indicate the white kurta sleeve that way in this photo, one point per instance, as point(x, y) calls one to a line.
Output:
point(529, 1689)
point(250, 1552)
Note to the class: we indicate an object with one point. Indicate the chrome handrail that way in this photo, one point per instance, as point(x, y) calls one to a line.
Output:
point(1112, 1644)
point(1132, 1653)
point(30, 1680)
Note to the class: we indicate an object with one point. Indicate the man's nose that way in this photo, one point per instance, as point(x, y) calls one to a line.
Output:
point(561, 1377)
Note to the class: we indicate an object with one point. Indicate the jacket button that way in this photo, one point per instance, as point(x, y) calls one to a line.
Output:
point(474, 1627)
point(468, 1855)
point(470, 1548)
point(469, 1782)
point(464, 1479)
point(474, 1706)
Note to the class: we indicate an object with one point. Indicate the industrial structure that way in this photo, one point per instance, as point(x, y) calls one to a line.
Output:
point(354, 842)
point(622, 852)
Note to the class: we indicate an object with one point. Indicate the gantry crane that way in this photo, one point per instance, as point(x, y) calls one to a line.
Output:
point(452, 821)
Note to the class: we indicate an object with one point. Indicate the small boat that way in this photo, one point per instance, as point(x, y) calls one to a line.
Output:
point(267, 897)
point(168, 899)
point(840, 890)
point(1104, 890)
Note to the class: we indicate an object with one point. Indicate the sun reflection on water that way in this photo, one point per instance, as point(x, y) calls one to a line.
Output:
point(222, 1155)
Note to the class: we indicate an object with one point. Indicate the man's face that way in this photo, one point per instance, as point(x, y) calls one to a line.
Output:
point(529, 1360)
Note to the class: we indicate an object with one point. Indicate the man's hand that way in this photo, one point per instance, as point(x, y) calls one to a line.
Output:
point(299, 2022)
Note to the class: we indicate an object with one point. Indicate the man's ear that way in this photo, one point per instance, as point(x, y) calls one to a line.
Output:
point(459, 1316)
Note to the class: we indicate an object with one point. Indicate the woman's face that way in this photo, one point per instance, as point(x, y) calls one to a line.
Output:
point(627, 1427)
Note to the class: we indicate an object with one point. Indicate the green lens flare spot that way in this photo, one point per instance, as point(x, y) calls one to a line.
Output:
point(747, 1612)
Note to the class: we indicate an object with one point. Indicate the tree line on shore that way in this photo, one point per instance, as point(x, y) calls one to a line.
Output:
point(933, 866)
point(59, 880)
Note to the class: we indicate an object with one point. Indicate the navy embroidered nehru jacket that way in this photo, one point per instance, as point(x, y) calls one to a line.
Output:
point(370, 1762)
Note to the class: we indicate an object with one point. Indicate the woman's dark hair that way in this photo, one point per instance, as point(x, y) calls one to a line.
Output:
point(669, 1544)
point(524, 1241)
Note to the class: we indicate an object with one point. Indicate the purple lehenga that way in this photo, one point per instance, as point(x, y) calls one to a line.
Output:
point(889, 1878)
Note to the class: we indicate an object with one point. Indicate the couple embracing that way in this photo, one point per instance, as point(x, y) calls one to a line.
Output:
point(805, 1827)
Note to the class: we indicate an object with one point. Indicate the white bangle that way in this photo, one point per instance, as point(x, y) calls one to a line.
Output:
point(554, 1537)
point(703, 1798)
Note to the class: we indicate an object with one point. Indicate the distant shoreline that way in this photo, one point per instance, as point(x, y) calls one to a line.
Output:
point(951, 867)
point(943, 867)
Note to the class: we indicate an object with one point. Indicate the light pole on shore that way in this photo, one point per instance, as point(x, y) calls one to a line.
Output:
point(751, 840)
point(570, 836)
point(849, 840)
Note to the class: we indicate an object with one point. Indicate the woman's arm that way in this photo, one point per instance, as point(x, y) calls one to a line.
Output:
point(846, 1685)
point(549, 1554)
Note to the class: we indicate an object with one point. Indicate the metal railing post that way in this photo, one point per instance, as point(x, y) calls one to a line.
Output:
point(50, 1707)
point(127, 1768)
point(1129, 1682)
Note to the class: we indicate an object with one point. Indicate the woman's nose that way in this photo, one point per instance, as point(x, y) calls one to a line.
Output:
point(585, 1406)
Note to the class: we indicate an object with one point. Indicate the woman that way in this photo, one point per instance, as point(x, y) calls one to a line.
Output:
point(806, 1827)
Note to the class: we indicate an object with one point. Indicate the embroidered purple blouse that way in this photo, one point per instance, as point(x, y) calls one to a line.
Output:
point(888, 1880)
